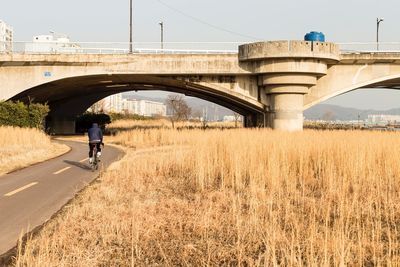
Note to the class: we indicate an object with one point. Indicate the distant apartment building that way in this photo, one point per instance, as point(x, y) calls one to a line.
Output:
point(129, 106)
point(382, 119)
point(144, 107)
point(6, 37)
point(51, 43)
point(150, 108)
point(115, 103)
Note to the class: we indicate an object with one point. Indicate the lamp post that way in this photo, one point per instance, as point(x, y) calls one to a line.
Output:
point(378, 21)
point(162, 33)
point(130, 27)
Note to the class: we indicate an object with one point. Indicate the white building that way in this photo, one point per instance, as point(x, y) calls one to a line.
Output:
point(129, 106)
point(383, 119)
point(6, 37)
point(113, 103)
point(51, 43)
point(144, 107)
point(150, 108)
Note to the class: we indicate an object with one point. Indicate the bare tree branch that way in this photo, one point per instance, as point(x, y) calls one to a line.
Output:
point(180, 110)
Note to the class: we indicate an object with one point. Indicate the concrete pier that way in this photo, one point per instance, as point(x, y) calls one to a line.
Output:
point(286, 71)
point(288, 112)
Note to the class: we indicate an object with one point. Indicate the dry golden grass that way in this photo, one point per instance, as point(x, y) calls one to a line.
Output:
point(235, 197)
point(143, 138)
point(123, 125)
point(127, 124)
point(134, 134)
point(21, 147)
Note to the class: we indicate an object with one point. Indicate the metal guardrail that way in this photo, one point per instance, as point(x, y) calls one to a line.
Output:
point(372, 47)
point(54, 47)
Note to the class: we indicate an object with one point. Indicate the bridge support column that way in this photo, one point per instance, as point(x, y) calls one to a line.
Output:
point(286, 70)
point(287, 112)
point(286, 103)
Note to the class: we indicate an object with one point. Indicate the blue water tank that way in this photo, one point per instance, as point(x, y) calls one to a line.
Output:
point(314, 37)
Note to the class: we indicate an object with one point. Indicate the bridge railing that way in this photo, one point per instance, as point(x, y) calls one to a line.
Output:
point(373, 47)
point(54, 47)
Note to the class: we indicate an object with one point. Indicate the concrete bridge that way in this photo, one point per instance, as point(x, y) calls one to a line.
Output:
point(269, 83)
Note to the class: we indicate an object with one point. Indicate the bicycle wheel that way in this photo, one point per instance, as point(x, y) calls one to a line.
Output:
point(94, 162)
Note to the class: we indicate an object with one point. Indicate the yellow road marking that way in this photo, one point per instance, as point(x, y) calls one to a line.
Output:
point(20, 189)
point(62, 170)
point(84, 160)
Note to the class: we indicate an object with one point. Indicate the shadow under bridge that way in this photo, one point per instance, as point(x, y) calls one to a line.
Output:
point(70, 97)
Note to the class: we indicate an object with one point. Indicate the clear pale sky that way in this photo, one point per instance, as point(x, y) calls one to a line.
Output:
point(108, 21)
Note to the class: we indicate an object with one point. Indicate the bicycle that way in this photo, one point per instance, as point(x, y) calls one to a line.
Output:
point(95, 163)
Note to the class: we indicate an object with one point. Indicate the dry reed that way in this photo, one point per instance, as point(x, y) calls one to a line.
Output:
point(236, 197)
point(124, 125)
point(20, 147)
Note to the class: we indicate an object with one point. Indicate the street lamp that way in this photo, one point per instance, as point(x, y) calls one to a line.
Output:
point(378, 20)
point(162, 33)
point(130, 27)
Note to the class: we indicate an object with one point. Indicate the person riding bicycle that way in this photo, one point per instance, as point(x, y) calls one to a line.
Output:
point(95, 139)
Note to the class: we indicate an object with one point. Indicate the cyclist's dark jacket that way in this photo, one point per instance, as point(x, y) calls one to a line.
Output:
point(95, 134)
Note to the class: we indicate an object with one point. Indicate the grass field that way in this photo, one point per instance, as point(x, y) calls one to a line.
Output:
point(124, 125)
point(20, 147)
point(234, 197)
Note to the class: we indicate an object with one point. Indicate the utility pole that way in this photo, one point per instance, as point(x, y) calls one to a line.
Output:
point(378, 21)
point(162, 33)
point(130, 27)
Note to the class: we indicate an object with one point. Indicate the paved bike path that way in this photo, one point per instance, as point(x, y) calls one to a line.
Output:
point(29, 197)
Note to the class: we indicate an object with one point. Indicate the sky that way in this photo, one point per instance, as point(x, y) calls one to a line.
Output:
point(342, 21)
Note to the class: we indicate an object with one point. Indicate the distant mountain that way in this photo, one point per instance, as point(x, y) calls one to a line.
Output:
point(333, 112)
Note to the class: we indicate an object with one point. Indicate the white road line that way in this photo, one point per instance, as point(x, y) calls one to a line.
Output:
point(20, 189)
point(84, 160)
point(62, 170)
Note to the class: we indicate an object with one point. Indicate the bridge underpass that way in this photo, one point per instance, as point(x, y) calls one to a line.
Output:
point(70, 97)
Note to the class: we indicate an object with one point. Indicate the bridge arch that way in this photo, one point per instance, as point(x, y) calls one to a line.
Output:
point(318, 95)
point(71, 96)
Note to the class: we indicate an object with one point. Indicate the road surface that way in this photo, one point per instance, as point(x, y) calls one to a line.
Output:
point(29, 197)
